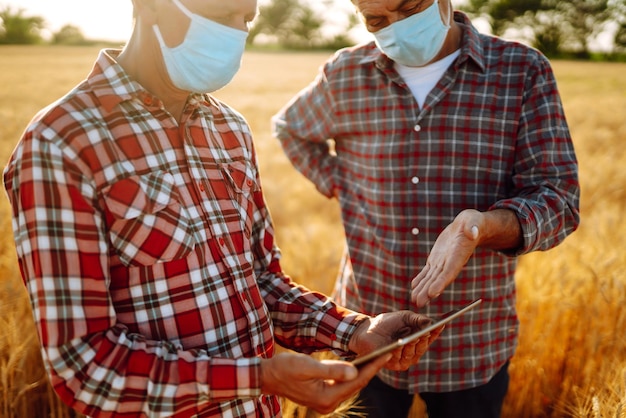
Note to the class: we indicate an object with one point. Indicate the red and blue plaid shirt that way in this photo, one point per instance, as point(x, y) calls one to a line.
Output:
point(491, 134)
point(149, 256)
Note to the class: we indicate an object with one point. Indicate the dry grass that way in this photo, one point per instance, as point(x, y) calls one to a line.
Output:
point(572, 352)
point(571, 361)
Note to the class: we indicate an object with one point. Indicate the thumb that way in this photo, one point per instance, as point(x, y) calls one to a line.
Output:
point(415, 320)
point(337, 370)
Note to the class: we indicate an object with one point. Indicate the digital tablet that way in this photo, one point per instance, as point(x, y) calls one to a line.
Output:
point(444, 319)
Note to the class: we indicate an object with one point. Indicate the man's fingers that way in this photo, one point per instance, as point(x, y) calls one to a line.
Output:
point(435, 334)
point(437, 286)
point(408, 355)
point(369, 369)
point(419, 285)
point(424, 291)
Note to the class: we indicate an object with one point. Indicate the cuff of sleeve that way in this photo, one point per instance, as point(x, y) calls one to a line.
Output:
point(343, 332)
point(326, 184)
point(528, 222)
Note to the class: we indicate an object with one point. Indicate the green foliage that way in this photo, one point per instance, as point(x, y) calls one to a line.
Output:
point(297, 24)
point(558, 27)
point(20, 29)
point(69, 35)
point(620, 19)
point(584, 19)
point(549, 38)
point(620, 38)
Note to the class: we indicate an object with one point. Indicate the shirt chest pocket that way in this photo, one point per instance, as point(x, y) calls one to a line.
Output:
point(237, 174)
point(147, 223)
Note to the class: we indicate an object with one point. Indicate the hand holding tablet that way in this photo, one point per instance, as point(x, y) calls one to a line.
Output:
point(412, 337)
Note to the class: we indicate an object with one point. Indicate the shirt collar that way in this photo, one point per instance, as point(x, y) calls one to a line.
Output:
point(111, 85)
point(471, 46)
point(109, 82)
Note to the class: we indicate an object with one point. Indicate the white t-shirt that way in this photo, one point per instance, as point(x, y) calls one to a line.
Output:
point(421, 80)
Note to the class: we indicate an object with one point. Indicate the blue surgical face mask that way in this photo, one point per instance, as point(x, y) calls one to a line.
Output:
point(415, 40)
point(209, 56)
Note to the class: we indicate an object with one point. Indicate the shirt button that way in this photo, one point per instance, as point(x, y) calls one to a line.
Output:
point(147, 100)
point(415, 180)
point(417, 128)
point(201, 187)
point(415, 231)
point(221, 241)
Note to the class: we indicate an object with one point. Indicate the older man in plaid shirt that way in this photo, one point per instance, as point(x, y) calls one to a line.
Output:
point(451, 157)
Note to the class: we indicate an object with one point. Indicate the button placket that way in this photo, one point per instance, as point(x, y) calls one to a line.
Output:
point(415, 180)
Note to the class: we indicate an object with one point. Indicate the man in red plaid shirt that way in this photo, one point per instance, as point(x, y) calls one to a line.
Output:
point(451, 157)
point(147, 249)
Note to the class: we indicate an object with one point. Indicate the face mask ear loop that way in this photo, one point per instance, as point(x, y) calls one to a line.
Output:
point(157, 33)
point(450, 12)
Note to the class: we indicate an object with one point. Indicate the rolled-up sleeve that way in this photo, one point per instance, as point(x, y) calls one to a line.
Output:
point(545, 182)
point(304, 127)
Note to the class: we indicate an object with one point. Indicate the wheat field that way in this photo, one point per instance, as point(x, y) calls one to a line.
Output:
point(571, 361)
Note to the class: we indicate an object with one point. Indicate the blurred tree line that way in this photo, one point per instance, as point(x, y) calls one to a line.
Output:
point(302, 24)
point(17, 28)
point(556, 27)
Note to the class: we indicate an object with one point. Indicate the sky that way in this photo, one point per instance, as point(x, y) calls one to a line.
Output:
point(97, 19)
point(112, 19)
point(109, 20)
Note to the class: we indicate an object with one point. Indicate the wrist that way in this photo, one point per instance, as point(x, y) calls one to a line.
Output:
point(360, 329)
point(500, 230)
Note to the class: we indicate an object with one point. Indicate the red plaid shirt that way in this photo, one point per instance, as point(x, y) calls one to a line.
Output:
point(148, 253)
point(492, 134)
